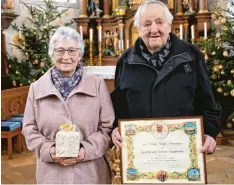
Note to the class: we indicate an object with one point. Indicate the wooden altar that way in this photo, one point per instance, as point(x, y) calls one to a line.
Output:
point(116, 23)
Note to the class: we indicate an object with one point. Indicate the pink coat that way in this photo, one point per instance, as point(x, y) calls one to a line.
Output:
point(89, 107)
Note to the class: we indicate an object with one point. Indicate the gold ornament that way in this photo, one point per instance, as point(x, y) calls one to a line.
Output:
point(42, 64)
point(214, 77)
point(232, 92)
point(222, 73)
point(17, 72)
point(60, 21)
point(14, 83)
point(213, 16)
point(9, 66)
point(213, 53)
point(225, 94)
point(225, 28)
point(220, 90)
point(216, 68)
point(206, 57)
point(232, 71)
point(21, 84)
point(68, 12)
point(217, 22)
point(223, 20)
point(218, 34)
point(229, 125)
point(36, 61)
point(220, 67)
point(225, 53)
point(229, 82)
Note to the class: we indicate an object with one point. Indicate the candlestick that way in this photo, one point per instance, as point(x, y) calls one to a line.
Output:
point(127, 43)
point(181, 31)
point(122, 45)
point(100, 34)
point(90, 52)
point(119, 45)
point(192, 32)
point(100, 54)
point(91, 35)
point(205, 30)
point(81, 32)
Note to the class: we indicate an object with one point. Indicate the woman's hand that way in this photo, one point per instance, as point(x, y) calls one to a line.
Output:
point(68, 160)
point(116, 138)
point(53, 155)
point(74, 160)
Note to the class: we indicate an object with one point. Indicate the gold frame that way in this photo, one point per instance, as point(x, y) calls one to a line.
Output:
point(142, 160)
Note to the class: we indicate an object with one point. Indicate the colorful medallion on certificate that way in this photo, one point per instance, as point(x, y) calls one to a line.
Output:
point(162, 150)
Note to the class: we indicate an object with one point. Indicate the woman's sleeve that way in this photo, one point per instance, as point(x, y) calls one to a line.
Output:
point(35, 140)
point(97, 144)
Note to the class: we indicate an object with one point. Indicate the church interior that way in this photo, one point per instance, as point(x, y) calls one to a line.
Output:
point(107, 29)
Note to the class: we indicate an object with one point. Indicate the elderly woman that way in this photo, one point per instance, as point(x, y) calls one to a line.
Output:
point(163, 76)
point(65, 94)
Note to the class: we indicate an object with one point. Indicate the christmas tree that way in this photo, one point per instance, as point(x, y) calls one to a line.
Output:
point(32, 42)
point(219, 56)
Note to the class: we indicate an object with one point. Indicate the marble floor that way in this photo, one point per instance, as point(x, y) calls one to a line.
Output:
point(21, 169)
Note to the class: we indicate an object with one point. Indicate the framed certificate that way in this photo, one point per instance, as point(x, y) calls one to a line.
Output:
point(162, 150)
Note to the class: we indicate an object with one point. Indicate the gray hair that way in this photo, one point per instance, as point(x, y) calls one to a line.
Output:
point(169, 16)
point(64, 33)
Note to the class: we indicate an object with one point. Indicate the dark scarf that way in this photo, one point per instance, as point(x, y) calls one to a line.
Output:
point(66, 84)
point(157, 59)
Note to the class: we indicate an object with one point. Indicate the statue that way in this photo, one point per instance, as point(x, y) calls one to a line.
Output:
point(94, 8)
point(107, 37)
point(187, 7)
point(115, 35)
point(108, 44)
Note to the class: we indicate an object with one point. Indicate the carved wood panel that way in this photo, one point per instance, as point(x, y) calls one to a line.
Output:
point(13, 101)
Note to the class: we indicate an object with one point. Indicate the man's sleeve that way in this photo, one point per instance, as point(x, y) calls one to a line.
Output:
point(118, 96)
point(204, 100)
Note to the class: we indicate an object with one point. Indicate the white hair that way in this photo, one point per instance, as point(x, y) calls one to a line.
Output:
point(66, 33)
point(142, 7)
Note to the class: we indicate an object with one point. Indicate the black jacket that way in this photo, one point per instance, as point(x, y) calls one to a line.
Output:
point(180, 88)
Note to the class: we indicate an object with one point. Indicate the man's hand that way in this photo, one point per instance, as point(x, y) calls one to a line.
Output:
point(116, 138)
point(209, 145)
point(68, 160)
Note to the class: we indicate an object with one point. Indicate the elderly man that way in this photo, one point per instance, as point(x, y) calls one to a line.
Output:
point(162, 76)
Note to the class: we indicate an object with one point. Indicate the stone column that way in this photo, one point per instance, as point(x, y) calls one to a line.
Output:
point(106, 9)
point(202, 8)
point(83, 8)
point(179, 7)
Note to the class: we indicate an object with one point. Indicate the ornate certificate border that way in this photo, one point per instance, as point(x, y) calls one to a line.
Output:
point(162, 150)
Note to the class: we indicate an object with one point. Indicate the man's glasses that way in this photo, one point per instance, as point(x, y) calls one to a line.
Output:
point(70, 51)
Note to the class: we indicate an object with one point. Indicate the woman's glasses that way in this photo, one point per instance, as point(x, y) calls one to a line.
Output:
point(70, 51)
